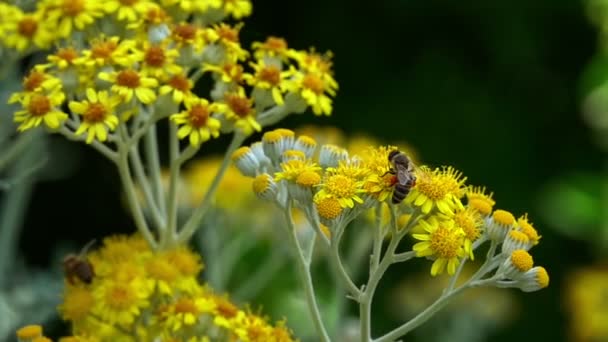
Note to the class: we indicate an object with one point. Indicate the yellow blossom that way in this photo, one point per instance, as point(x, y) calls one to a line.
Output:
point(98, 115)
point(442, 241)
point(440, 188)
point(128, 83)
point(38, 108)
point(196, 121)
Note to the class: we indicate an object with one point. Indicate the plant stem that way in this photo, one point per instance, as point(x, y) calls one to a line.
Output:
point(197, 216)
point(352, 289)
point(304, 269)
point(143, 182)
point(101, 148)
point(151, 151)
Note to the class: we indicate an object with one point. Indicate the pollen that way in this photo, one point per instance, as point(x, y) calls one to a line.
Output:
point(261, 183)
point(341, 186)
point(29, 332)
point(73, 7)
point(270, 74)
point(128, 78)
point(241, 106)
point(33, 80)
point(522, 260)
point(445, 242)
point(39, 105)
point(542, 277)
point(329, 208)
point(308, 179)
point(199, 115)
point(503, 217)
point(314, 83)
point(96, 112)
point(185, 31)
point(27, 27)
point(155, 56)
point(180, 82)
point(480, 205)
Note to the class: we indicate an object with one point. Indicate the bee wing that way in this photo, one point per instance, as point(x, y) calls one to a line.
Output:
point(402, 174)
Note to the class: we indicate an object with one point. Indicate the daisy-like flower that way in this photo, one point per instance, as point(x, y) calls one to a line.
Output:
point(36, 81)
point(70, 14)
point(23, 31)
point(471, 223)
point(269, 77)
point(107, 51)
point(442, 241)
point(237, 8)
point(127, 10)
point(240, 111)
point(313, 88)
point(179, 86)
point(525, 226)
point(272, 47)
point(344, 188)
point(227, 72)
point(440, 188)
point(77, 303)
point(159, 60)
point(98, 115)
point(129, 82)
point(120, 302)
point(379, 182)
point(478, 199)
point(196, 121)
point(302, 176)
point(38, 108)
point(63, 58)
point(228, 38)
point(185, 312)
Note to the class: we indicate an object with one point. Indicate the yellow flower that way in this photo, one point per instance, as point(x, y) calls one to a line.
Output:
point(196, 121)
point(479, 200)
point(63, 58)
point(293, 168)
point(240, 111)
point(312, 87)
point(187, 35)
point(36, 81)
point(237, 8)
point(586, 303)
point(179, 86)
point(40, 108)
point(129, 82)
point(269, 77)
point(23, 31)
point(228, 38)
point(69, 14)
point(98, 115)
point(272, 47)
point(343, 187)
point(441, 241)
point(379, 182)
point(159, 60)
point(470, 221)
point(120, 302)
point(107, 51)
point(29, 332)
point(525, 226)
point(186, 312)
point(440, 188)
point(130, 10)
point(77, 303)
point(228, 72)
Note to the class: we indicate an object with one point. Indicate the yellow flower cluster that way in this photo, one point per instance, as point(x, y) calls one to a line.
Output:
point(336, 185)
point(140, 295)
point(142, 59)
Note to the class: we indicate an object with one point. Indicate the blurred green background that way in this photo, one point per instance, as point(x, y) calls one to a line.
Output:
point(490, 87)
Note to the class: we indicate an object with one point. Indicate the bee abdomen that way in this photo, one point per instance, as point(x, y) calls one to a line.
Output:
point(399, 193)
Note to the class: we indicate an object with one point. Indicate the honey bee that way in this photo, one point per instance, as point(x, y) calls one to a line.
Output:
point(77, 267)
point(403, 170)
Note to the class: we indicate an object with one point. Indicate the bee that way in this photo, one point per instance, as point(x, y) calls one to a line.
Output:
point(77, 267)
point(403, 169)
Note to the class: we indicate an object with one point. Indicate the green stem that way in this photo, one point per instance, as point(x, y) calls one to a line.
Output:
point(101, 148)
point(151, 150)
point(352, 289)
point(143, 182)
point(304, 269)
point(197, 216)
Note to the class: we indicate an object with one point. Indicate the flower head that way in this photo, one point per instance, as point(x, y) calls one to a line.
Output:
point(129, 82)
point(39, 108)
point(196, 121)
point(98, 114)
point(440, 188)
point(442, 241)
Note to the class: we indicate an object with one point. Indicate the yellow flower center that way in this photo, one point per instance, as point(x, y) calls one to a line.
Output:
point(503, 217)
point(480, 205)
point(185, 305)
point(261, 183)
point(542, 277)
point(155, 56)
point(27, 27)
point(445, 242)
point(96, 112)
point(199, 114)
point(437, 187)
point(314, 83)
point(180, 83)
point(235, 71)
point(39, 105)
point(120, 296)
point(73, 7)
point(67, 54)
point(103, 49)
point(518, 236)
point(308, 179)
point(241, 106)
point(522, 260)
point(329, 208)
point(270, 74)
point(341, 186)
point(128, 78)
point(185, 31)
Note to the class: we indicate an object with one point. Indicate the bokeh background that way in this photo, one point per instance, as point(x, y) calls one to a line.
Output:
point(494, 88)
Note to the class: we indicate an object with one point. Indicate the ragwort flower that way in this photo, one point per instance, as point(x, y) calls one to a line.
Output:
point(440, 188)
point(98, 114)
point(196, 121)
point(441, 241)
point(40, 108)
